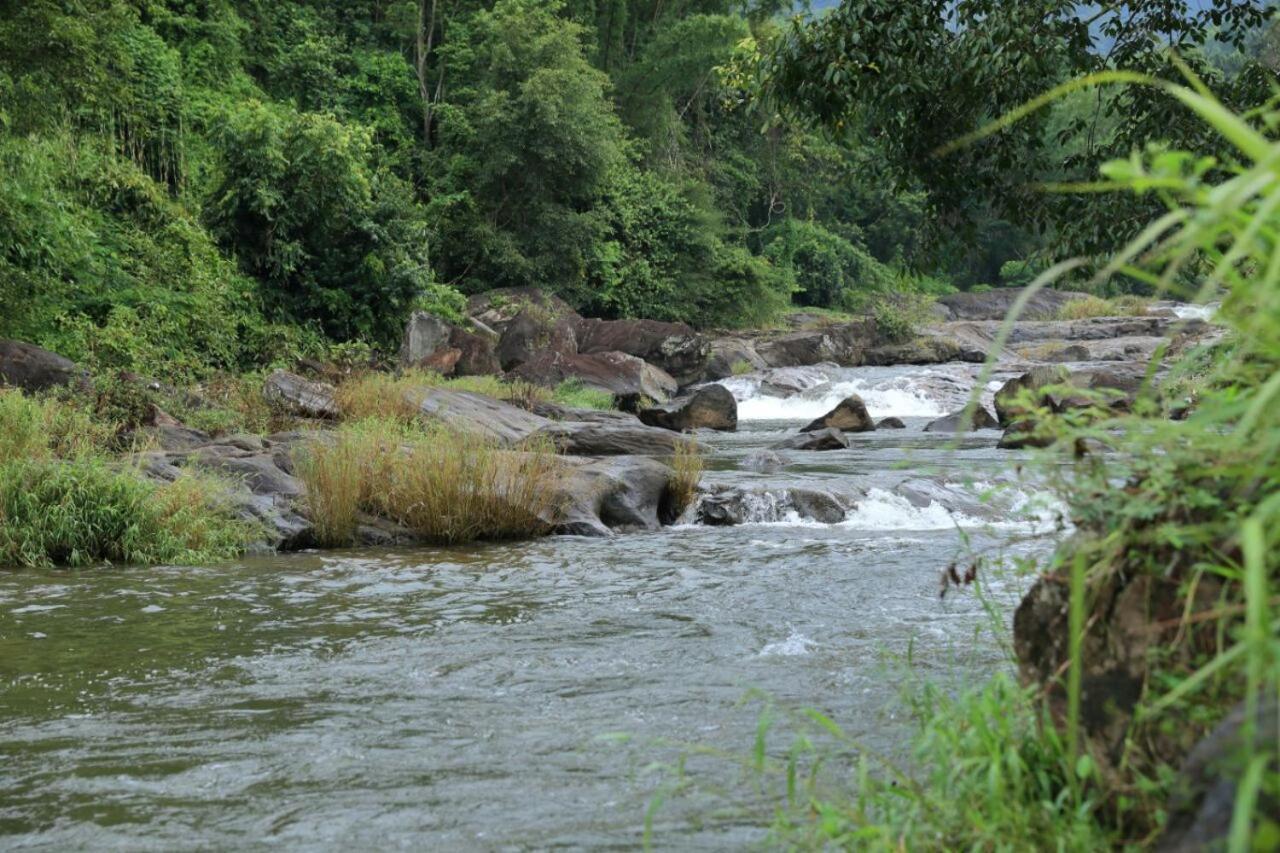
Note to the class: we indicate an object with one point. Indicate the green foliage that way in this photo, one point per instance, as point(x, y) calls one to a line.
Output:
point(333, 239)
point(84, 512)
point(829, 271)
point(575, 395)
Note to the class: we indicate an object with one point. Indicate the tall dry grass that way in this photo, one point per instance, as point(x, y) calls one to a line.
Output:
point(687, 466)
point(444, 486)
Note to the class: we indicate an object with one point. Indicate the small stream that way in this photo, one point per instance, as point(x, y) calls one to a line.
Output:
point(459, 698)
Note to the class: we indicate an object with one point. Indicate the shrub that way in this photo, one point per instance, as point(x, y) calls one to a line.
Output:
point(84, 512)
point(829, 271)
point(446, 487)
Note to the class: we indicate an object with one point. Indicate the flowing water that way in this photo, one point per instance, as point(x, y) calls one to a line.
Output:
point(466, 698)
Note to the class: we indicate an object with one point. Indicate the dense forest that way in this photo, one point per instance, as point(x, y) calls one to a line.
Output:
point(223, 184)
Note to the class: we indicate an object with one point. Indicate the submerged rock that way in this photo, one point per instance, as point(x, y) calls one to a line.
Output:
point(727, 506)
point(849, 415)
point(763, 462)
point(981, 419)
point(709, 407)
point(824, 439)
point(297, 396)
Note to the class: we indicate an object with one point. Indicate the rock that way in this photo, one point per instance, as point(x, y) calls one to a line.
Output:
point(175, 438)
point(924, 350)
point(537, 332)
point(602, 495)
point(32, 368)
point(674, 347)
point(612, 439)
point(480, 415)
point(1009, 409)
point(1021, 435)
point(763, 462)
point(297, 396)
point(424, 334)
point(850, 415)
point(891, 423)
point(258, 472)
point(731, 357)
point(478, 356)
point(788, 381)
point(618, 373)
point(442, 361)
point(1203, 801)
point(981, 419)
point(709, 407)
point(495, 309)
point(995, 304)
point(823, 439)
point(842, 344)
point(729, 506)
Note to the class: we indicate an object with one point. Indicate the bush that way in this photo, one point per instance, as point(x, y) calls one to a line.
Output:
point(84, 512)
point(446, 487)
point(45, 428)
point(575, 395)
point(829, 271)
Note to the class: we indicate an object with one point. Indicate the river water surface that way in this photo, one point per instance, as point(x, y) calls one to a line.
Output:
point(466, 698)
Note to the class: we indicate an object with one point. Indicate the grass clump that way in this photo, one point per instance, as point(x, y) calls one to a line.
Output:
point(446, 487)
point(574, 394)
point(43, 428)
point(84, 512)
point(687, 466)
point(1094, 306)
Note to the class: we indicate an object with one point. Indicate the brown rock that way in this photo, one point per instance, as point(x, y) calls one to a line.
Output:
point(709, 407)
point(850, 415)
point(33, 368)
point(674, 347)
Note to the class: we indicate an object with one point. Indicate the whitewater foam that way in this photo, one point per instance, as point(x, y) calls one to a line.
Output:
point(794, 645)
point(898, 396)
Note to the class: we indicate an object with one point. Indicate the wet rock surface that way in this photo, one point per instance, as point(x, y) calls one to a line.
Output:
point(963, 420)
point(708, 407)
point(849, 415)
point(822, 439)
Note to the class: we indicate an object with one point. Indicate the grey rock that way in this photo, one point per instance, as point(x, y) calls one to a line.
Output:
point(891, 423)
point(674, 347)
point(423, 334)
point(823, 439)
point(980, 419)
point(612, 439)
point(615, 372)
point(995, 304)
point(602, 495)
point(291, 393)
point(729, 356)
point(480, 415)
point(33, 368)
point(258, 472)
point(729, 506)
point(763, 462)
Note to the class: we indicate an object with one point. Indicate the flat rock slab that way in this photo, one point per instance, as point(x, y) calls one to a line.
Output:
point(614, 439)
point(297, 396)
point(480, 415)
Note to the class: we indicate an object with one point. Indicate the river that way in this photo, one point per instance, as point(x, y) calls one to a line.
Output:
point(465, 698)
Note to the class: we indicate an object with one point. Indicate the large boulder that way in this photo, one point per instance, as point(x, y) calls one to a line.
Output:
point(674, 347)
point(296, 396)
point(480, 415)
point(849, 415)
point(709, 407)
point(477, 353)
point(929, 349)
point(732, 356)
point(537, 331)
point(812, 346)
point(494, 310)
point(424, 334)
point(1007, 400)
point(1203, 802)
point(32, 368)
point(995, 304)
point(618, 373)
point(954, 422)
point(600, 496)
point(786, 381)
point(823, 439)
